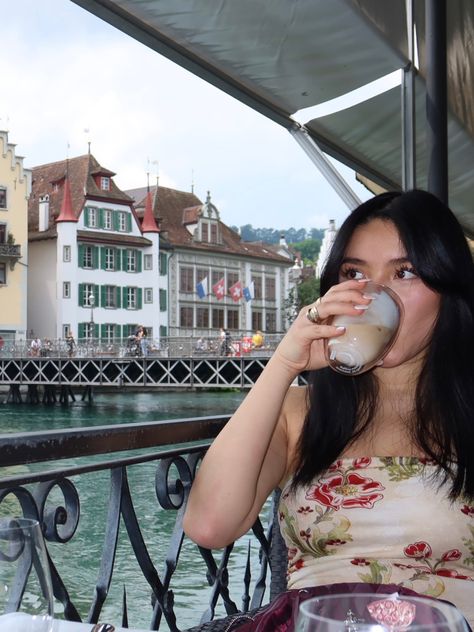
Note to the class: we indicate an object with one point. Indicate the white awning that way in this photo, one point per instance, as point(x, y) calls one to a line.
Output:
point(283, 56)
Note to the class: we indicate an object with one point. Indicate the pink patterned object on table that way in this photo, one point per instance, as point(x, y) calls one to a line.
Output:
point(393, 613)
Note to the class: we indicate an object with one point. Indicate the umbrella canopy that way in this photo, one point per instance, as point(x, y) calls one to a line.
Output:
point(282, 57)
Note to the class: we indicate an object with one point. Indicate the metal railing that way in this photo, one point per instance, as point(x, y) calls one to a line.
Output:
point(53, 496)
point(170, 346)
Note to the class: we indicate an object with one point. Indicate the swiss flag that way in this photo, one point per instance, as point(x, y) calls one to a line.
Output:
point(219, 289)
point(236, 291)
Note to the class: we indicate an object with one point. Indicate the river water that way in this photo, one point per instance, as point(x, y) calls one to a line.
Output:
point(79, 560)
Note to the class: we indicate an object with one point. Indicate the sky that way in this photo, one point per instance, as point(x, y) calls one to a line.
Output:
point(68, 78)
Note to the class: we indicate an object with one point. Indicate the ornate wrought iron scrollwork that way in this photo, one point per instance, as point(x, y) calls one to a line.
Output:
point(173, 492)
point(59, 522)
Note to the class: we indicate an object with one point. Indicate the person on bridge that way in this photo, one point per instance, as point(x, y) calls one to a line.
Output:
point(376, 471)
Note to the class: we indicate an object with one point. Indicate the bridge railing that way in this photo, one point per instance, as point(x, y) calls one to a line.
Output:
point(158, 462)
point(169, 346)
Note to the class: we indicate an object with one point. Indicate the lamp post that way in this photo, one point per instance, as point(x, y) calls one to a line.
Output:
point(91, 304)
point(294, 276)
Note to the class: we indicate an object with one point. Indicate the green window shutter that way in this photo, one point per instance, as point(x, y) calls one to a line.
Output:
point(95, 257)
point(81, 294)
point(139, 260)
point(80, 256)
point(115, 220)
point(129, 222)
point(117, 332)
point(100, 218)
point(118, 297)
point(124, 259)
point(117, 260)
point(163, 330)
point(162, 300)
point(163, 263)
point(80, 330)
point(139, 298)
point(102, 295)
point(86, 216)
point(96, 295)
point(102, 331)
point(96, 330)
point(124, 297)
point(102, 258)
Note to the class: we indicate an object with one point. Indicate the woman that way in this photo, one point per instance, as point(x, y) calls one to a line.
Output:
point(377, 470)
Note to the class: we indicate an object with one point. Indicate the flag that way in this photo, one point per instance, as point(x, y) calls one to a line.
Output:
point(219, 289)
point(201, 288)
point(236, 291)
point(249, 292)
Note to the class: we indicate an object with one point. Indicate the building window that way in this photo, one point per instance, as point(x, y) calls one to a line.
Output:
point(129, 330)
point(202, 317)
point(257, 284)
point(201, 274)
point(232, 319)
point(105, 183)
point(107, 219)
point(214, 233)
point(3, 273)
point(89, 330)
point(163, 300)
point(232, 277)
point(110, 259)
point(3, 197)
point(186, 279)
point(66, 330)
point(108, 332)
point(88, 295)
point(270, 292)
point(132, 302)
point(87, 257)
point(110, 298)
point(257, 321)
point(148, 295)
point(66, 254)
point(204, 231)
point(217, 318)
point(148, 262)
point(92, 218)
point(122, 221)
point(3, 233)
point(186, 317)
point(131, 260)
point(270, 322)
point(66, 289)
point(163, 263)
point(216, 276)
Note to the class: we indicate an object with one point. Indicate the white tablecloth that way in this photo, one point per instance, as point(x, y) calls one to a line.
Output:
point(19, 622)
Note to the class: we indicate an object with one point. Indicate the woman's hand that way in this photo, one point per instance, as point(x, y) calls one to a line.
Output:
point(302, 348)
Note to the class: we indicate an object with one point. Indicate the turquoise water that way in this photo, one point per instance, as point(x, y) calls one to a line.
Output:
point(78, 561)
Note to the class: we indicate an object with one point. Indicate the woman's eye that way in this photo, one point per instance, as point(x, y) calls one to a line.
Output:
point(405, 273)
point(352, 273)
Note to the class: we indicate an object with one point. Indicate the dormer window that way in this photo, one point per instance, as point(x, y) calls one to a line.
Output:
point(204, 231)
point(105, 183)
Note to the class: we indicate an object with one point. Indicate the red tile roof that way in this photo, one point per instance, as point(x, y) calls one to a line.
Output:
point(49, 180)
point(175, 209)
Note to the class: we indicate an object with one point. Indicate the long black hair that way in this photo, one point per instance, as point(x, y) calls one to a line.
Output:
point(341, 408)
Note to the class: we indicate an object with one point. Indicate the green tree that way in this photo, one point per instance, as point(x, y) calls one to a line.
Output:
point(303, 294)
point(309, 249)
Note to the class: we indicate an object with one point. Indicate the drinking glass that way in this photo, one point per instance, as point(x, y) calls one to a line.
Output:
point(369, 612)
point(369, 336)
point(26, 596)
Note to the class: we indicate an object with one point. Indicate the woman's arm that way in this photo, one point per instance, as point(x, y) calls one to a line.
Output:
point(250, 456)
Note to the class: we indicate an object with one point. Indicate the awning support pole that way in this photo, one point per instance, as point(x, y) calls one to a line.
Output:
point(341, 187)
point(436, 98)
point(408, 108)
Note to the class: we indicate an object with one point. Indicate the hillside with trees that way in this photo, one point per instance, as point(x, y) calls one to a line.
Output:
point(306, 242)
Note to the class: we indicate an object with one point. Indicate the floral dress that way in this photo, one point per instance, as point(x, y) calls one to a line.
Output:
point(381, 520)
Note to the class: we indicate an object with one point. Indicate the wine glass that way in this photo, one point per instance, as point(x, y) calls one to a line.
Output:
point(26, 595)
point(369, 612)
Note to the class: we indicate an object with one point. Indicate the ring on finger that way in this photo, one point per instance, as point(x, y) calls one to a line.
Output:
point(313, 315)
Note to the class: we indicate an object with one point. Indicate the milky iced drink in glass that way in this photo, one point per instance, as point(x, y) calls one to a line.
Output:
point(368, 337)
